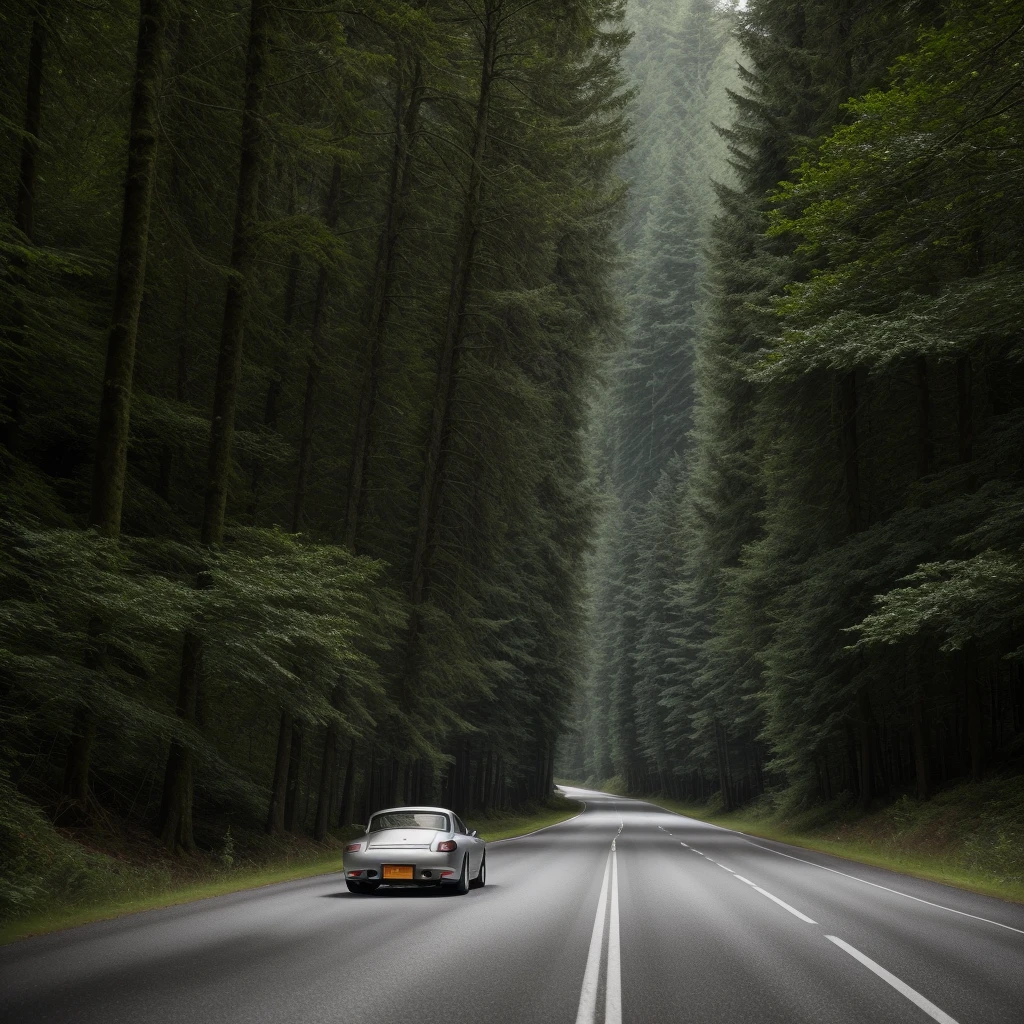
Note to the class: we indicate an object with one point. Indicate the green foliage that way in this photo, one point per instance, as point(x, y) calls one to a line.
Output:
point(298, 623)
point(824, 598)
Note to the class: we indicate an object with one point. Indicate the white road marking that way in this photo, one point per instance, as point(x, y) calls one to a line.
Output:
point(904, 989)
point(724, 868)
point(856, 878)
point(775, 899)
point(613, 978)
point(512, 839)
point(875, 885)
point(588, 994)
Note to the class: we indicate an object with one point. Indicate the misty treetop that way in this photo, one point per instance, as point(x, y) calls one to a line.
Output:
point(300, 312)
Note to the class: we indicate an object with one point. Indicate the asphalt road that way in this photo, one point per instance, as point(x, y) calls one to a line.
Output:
point(625, 913)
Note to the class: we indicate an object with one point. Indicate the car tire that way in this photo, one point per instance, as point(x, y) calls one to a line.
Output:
point(481, 879)
point(461, 887)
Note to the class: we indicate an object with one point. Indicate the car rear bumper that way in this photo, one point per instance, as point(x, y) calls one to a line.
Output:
point(429, 868)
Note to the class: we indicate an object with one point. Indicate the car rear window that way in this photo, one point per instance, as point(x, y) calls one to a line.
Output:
point(409, 819)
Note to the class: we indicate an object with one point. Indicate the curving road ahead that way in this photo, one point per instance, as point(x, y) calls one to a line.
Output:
point(626, 913)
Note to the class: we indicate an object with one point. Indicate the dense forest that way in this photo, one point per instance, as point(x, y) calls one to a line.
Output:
point(401, 398)
point(807, 576)
point(301, 310)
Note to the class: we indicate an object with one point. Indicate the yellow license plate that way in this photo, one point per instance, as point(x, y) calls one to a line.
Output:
point(397, 872)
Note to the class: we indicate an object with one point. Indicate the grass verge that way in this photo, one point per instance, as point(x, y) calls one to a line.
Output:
point(553, 811)
point(100, 886)
point(970, 836)
point(149, 894)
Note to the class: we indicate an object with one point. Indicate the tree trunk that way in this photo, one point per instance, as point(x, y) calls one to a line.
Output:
point(723, 768)
point(271, 406)
point(848, 406)
point(75, 785)
point(972, 685)
point(24, 211)
point(243, 254)
point(316, 360)
point(432, 481)
point(486, 800)
point(115, 402)
point(24, 208)
point(919, 737)
point(279, 788)
point(380, 306)
point(924, 417)
point(965, 408)
point(176, 805)
point(865, 736)
point(323, 801)
point(112, 439)
point(176, 815)
point(920, 744)
point(291, 796)
point(347, 803)
point(854, 523)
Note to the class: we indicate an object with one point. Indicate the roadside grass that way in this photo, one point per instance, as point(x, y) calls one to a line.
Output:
point(970, 836)
point(551, 812)
point(152, 889)
point(88, 885)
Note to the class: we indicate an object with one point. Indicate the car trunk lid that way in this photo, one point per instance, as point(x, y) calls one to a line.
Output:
point(402, 839)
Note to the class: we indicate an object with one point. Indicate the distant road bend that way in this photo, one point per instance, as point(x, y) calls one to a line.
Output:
point(626, 913)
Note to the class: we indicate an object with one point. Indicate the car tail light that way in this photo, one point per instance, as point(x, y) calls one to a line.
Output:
point(447, 846)
point(354, 874)
point(353, 847)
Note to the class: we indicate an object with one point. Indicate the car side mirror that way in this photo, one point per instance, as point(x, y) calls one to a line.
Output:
point(473, 834)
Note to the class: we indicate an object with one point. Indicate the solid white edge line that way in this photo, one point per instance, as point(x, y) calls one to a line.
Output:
point(885, 888)
point(845, 874)
point(564, 821)
point(588, 993)
point(904, 989)
point(613, 978)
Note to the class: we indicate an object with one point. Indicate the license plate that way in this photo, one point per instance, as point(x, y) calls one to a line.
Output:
point(398, 872)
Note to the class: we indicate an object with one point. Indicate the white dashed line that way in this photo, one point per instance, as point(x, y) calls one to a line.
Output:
point(775, 899)
point(904, 989)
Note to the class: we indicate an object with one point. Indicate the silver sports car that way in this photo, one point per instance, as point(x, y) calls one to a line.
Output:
point(416, 846)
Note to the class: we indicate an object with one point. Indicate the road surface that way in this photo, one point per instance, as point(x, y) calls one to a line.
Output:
point(625, 913)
